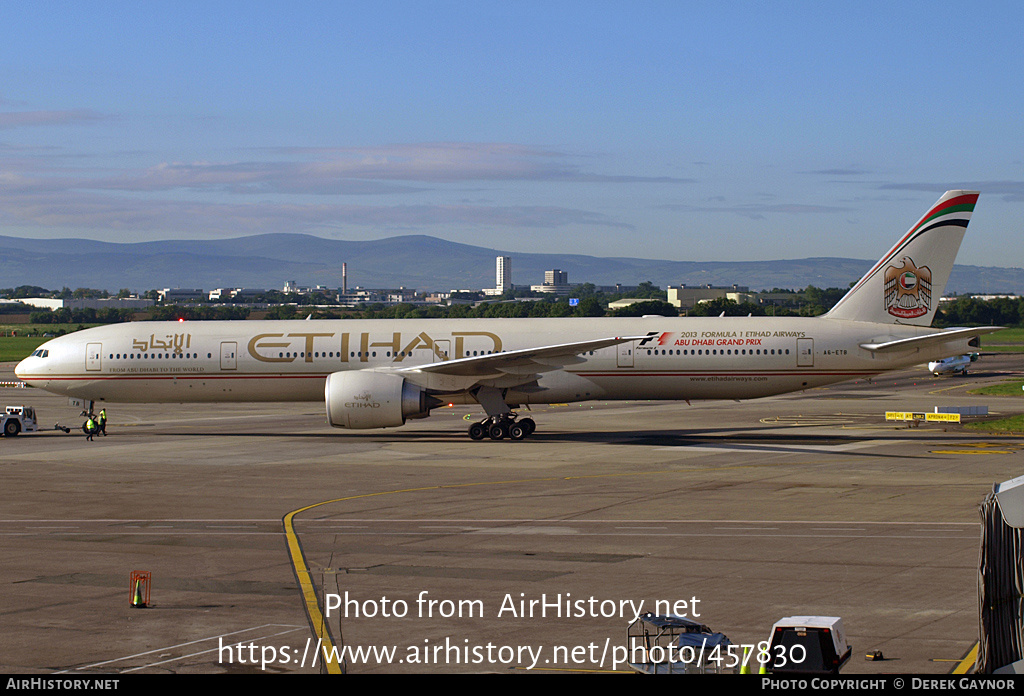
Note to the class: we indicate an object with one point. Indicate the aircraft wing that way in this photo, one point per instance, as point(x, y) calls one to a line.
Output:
point(510, 367)
point(930, 340)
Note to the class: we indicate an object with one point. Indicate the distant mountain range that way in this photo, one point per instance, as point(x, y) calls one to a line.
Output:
point(416, 261)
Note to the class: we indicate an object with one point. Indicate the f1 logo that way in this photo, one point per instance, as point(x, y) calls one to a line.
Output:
point(651, 335)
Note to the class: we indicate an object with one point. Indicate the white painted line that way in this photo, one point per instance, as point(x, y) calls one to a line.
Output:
point(292, 629)
point(203, 652)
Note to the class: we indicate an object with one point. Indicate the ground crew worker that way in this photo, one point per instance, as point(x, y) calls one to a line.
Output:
point(90, 428)
point(102, 422)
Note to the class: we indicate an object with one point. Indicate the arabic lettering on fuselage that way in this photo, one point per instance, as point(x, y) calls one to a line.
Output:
point(171, 343)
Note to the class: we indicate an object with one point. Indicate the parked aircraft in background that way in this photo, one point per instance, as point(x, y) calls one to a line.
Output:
point(379, 373)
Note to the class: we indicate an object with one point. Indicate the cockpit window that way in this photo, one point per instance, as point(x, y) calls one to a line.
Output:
point(40, 353)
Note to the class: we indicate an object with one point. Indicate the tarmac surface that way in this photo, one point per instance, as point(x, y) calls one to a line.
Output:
point(462, 556)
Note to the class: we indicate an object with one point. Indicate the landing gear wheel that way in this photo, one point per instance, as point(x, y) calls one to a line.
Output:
point(498, 431)
point(501, 426)
point(477, 431)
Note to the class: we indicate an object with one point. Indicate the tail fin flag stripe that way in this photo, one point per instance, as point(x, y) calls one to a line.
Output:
point(960, 204)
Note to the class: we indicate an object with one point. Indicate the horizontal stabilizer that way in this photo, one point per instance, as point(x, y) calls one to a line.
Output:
point(919, 342)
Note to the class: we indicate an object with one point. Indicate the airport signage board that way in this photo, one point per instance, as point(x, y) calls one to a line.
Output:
point(927, 417)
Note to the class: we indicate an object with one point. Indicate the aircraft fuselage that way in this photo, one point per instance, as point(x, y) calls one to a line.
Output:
point(680, 358)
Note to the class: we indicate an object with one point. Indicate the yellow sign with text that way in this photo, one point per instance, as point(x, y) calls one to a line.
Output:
point(927, 417)
point(943, 417)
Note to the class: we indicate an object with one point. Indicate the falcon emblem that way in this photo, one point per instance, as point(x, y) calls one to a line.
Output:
point(908, 289)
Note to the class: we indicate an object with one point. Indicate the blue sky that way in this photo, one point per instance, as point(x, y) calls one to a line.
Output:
point(679, 130)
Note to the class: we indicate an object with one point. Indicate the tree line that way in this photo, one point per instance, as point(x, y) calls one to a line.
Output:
point(969, 311)
point(812, 301)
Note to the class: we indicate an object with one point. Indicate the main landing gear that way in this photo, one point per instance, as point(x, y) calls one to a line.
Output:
point(502, 426)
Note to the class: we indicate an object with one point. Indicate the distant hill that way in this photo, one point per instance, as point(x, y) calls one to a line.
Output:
point(415, 261)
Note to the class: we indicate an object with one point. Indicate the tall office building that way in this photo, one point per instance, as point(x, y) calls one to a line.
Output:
point(555, 281)
point(556, 277)
point(503, 277)
point(503, 273)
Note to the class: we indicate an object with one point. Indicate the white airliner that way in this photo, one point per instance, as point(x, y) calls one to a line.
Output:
point(379, 373)
point(958, 363)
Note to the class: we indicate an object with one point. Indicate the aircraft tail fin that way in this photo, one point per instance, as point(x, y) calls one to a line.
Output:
point(905, 286)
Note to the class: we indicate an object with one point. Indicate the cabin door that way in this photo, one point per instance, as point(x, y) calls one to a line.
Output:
point(625, 354)
point(805, 352)
point(442, 350)
point(228, 355)
point(93, 356)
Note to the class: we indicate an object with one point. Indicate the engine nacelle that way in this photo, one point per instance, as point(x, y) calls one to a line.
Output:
point(359, 399)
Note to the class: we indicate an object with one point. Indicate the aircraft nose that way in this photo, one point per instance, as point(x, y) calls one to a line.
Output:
point(24, 368)
point(30, 367)
point(37, 367)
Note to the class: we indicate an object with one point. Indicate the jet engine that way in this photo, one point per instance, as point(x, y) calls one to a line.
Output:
point(361, 399)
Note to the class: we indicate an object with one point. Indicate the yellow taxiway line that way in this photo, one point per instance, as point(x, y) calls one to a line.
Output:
point(968, 662)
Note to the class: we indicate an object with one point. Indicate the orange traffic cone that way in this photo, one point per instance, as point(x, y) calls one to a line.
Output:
point(137, 601)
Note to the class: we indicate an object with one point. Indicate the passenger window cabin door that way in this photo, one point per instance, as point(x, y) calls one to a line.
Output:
point(805, 352)
point(93, 357)
point(625, 354)
point(228, 355)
